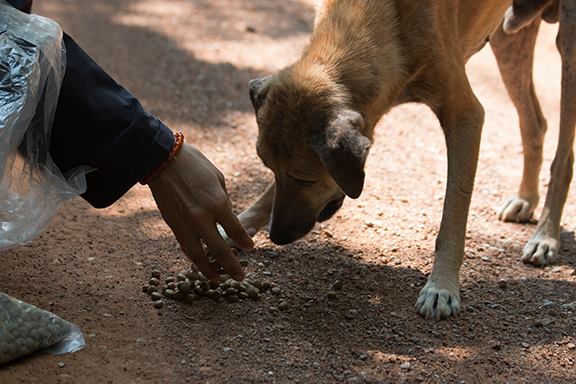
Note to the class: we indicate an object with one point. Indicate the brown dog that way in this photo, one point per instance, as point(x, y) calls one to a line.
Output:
point(316, 117)
point(514, 54)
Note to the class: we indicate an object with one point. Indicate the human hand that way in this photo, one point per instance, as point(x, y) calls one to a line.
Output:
point(191, 196)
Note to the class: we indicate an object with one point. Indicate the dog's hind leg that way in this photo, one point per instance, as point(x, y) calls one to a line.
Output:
point(256, 216)
point(461, 116)
point(515, 56)
point(543, 247)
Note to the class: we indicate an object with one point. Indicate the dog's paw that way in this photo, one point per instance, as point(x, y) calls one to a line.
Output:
point(437, 302)
point(517, 210)
point(540, 250)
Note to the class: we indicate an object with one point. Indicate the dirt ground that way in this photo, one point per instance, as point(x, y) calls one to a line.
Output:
point(189, 62)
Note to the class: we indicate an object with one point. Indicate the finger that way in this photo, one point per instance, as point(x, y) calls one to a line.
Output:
point(222, 253)
point(234, 229)
point(193, 249)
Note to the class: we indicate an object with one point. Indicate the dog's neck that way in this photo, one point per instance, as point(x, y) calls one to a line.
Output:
point(348, 45)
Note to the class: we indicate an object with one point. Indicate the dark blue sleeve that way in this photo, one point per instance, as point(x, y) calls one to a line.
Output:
point(100, 124)
point(23, 5)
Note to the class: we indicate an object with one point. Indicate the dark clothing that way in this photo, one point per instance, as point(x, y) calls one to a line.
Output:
point(100, 124)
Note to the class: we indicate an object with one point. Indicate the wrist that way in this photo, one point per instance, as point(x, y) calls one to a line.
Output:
point(174, 151)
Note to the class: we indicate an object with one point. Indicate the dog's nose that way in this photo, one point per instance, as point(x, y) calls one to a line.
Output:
point(282, 235)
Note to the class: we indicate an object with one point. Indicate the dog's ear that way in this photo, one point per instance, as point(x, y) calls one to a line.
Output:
point(258, 89)
point(343, 150)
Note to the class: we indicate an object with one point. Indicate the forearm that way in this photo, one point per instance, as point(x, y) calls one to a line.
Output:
point(100, 124)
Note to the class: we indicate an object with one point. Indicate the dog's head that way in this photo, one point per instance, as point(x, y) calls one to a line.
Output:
point(314, 145)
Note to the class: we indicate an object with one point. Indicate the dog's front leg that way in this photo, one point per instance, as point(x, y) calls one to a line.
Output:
point(461, 116)
point(257, 215)
point(543, 247)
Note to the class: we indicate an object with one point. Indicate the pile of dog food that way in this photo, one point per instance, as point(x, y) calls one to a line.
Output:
point(25, 328)
point(191, 286)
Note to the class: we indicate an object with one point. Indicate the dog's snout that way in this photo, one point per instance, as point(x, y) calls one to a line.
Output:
point(282, 234)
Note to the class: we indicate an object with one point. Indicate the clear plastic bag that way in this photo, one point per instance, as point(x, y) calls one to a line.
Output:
point(25, 328)
point(32, 65)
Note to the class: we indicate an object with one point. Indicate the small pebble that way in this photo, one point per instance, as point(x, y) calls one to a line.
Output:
point(571, 346)
point(61, 365)
point(332, 295)
point(405, 365)
point(276, 290)
point(158, 304)
point(337, 286)
point(351, 314)
point(283, 306)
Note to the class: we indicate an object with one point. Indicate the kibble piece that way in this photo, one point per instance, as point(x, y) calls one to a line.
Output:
point(169, 293)
point(243, 295)
point(169, 279)
point(236, 285)
point(193, 275)
point(276, 290)
point(230, 291)
point(181, 277)
point(184, 286)
point(266, 285)
point(204, 285)
point(145, 288)
point(151, 289)
point(172, 286)
point(156, 274)
point(256, 283)
point(253, 293)
point(155, 296)
point(154, 281)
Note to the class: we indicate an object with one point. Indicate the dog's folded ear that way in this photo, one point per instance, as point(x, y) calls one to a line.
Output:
point(258, 89)
point(343, 150)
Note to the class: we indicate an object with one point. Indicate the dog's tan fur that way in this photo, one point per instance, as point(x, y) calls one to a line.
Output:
point(514, 54)
point(316, 117)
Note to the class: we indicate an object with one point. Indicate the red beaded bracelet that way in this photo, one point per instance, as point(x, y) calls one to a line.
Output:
point(176, 147)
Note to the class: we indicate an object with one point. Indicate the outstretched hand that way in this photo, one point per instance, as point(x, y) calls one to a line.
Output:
point(191, 195)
